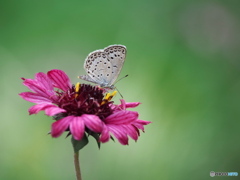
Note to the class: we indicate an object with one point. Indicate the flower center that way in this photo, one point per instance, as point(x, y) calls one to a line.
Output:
point(86, 99)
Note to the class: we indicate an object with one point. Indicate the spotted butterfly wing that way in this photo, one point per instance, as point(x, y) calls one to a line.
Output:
point(104, 66)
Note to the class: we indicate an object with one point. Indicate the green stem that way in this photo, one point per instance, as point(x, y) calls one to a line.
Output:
point(77, 166)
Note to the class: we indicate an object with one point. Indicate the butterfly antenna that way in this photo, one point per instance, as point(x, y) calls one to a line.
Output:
point(119, 92)
point(121, 78)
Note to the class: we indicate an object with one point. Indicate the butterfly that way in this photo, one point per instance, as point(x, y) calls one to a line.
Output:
point(104, 66)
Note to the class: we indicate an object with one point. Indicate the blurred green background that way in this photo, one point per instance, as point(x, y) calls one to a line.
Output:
point(183, 65)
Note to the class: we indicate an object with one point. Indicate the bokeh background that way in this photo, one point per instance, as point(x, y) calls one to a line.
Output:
point(183, 66)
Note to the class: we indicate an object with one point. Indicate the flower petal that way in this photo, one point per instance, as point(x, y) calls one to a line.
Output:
point(44, 82)
point(140, 124)
point(60, 79)
point(105, 136)
point(35, 87)
point(77, 127)
point(60, 126)
point(53, 110)
point(34, 98)
point(122, 117)
point(123, 104)
point(132, 104)
point(38, 107)
point(49, 109)
point(119, 133)
point(93, 122)
point(131, 131)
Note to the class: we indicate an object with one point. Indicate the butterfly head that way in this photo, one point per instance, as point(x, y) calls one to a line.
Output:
point(106, 86)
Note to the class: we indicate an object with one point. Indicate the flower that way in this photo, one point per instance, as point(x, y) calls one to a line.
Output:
point(81, 109)
point(122, 123)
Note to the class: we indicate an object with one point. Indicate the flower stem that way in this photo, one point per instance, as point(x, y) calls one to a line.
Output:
point(77, 166)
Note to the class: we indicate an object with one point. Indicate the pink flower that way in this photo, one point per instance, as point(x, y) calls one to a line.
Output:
point(81, 109)
point(123, 123)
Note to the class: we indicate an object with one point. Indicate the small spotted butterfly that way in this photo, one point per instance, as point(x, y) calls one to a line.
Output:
point(104, 66)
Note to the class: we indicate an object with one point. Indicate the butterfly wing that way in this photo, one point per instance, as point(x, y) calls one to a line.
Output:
point(116, 55)
point(95, 65)
point(103, 66)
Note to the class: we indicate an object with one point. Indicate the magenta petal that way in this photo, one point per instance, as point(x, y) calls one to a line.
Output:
point(49, 109)
point(131, 131)
point(39, 107)
point(132, 104)
point(143, 122)
point(123, 104)
point(60, 126)
point(53, 110)
point(34, 98)
point(35, 87)
point(119, 133)
point(77, 127)
point(140, 124)
point(93, 122)
point(105, 136)
point(60, 79)
point(122, 117)
point(44, 81)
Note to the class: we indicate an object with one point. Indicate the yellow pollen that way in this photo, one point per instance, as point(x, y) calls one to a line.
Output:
point(114, 93)
point(108, 97)
point(77, 87)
